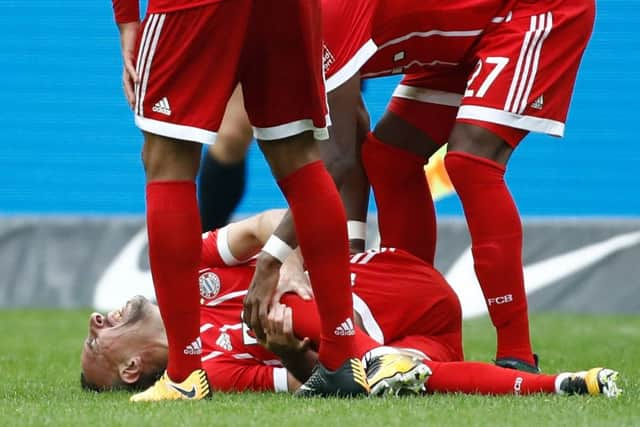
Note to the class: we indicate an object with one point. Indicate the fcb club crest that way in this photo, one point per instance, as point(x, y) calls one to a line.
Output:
point(209, 285)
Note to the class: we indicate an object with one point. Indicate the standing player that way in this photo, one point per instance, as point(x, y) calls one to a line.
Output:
point(186, 69)
point(510, 67)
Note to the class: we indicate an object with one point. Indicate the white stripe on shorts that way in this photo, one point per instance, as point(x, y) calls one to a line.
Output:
point(146, 62)
point(536, 59)
point(538, 30)
point(147, 34)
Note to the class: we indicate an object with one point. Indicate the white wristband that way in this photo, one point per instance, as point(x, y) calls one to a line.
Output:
point(277, 248)
point(357, 230)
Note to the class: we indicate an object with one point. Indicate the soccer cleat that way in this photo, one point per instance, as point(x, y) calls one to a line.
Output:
point(594, 382)
point(396, 374)
point(195, 387)
point(519, 365)
point(349, 380)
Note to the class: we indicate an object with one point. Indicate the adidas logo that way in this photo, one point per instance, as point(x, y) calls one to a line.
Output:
point(538, 103)
point(162, 107)
point(345, 328)
point(194, 348)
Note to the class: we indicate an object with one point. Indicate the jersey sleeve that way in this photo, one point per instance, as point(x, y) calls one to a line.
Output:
point(126, 11)
point(216, 251)
point(227, 374)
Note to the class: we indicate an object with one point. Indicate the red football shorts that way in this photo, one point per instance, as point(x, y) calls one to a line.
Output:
point(520, 79)
point(189, 62)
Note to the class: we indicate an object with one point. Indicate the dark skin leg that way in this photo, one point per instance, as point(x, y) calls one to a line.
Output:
point(393, 130)
point(167, 159)
point(479, 142)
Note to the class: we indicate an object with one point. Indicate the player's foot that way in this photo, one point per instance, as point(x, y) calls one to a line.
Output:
point(195, 387)
point(594, 382)
point(396, 374)
point(518, 364)
point(349, 380)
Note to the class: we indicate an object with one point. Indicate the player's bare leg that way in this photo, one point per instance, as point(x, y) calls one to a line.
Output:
point(171, 167)
point(476, 162)
point(222, 174)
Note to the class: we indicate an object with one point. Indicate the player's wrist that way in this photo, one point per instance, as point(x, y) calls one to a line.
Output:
point(277, 248)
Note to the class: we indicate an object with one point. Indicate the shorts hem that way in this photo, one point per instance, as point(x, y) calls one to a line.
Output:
point(352, 67)
point(290, 129)
point(506, 118)
point(175, 131)
point(428, 96)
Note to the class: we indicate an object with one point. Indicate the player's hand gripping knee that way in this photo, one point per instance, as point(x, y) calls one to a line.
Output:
point(261, 290)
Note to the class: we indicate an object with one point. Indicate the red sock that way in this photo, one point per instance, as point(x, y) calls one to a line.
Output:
point(496, 237)
point(484, 378)
point(175, 242)
point(306, 323)
point(406, 215)
point(321, 229)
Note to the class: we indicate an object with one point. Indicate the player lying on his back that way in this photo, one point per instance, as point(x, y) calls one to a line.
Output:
point(400, 302)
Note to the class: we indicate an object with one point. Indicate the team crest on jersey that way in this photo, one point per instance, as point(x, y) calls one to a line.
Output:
point(327, 58)
point(209, 285)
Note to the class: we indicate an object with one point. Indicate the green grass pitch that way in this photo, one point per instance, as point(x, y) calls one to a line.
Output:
point(39, 368)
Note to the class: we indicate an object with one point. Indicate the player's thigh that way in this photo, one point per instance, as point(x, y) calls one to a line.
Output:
point(282, 79)
point(422, 111)
point(525, 69)
point(188, 67)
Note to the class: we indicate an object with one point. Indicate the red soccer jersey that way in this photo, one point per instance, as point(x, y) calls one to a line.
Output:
point(233, 359)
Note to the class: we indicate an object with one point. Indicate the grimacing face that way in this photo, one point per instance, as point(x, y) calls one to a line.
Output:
point(123, 344)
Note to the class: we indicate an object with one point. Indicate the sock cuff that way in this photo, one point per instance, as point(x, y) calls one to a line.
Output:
point(479, 161)
point(558, 381)
point(372, 142)
point(171, 195)
point(311, 177)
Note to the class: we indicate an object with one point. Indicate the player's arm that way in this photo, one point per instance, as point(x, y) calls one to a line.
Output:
point(341, 154)
point(127, 17)
point(227, 374)
point(246, 237)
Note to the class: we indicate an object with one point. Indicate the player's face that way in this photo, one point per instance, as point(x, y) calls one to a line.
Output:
point(115, 338)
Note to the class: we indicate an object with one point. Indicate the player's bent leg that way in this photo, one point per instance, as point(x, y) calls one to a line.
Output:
point(487, 379)
point(475, 163)
point(394, 156)
point(174, 256)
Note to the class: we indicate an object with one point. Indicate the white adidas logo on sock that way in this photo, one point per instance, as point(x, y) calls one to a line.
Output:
point(194, 348)
point(345, 328)
point(162, 107)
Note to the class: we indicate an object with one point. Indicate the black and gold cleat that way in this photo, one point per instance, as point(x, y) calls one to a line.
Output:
point(396, 374)
point(596, 381)
point(350, 380)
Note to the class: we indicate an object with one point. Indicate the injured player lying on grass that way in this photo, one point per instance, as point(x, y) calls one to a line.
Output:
point(408, 330)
